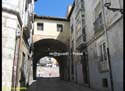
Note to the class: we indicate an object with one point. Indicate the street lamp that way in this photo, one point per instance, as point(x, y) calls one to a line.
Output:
point(108, 4)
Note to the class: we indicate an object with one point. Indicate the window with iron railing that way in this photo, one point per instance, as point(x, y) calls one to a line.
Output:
point(98, 24)
point(72, 29)
point(84, 34)
point(102, 58)
point(82, 4)
point(103, 55)
point(105, 82)
point(25, 37)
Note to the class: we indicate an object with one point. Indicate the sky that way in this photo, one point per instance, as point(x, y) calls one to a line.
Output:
point(55, 8)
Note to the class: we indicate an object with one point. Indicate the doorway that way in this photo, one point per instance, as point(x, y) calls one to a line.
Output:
point(47, 67)
point(85, 67)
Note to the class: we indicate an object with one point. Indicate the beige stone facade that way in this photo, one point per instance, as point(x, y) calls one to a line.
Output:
point(50, 29)
point(16, 15)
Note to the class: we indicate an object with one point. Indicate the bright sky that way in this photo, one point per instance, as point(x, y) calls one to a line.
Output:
point(56, 8)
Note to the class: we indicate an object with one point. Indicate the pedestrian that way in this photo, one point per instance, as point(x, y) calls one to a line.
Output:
point(49, 74)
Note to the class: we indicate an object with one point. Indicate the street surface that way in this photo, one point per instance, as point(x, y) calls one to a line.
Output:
point(54, 84)
point(48, 72)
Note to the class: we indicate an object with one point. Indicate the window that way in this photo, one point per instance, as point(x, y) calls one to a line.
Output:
point(102, 49)
point(26, 5)
point(72, 44)
point(100, 19)
point(23, 59)
point(98, 24)
point(59, 27)
point(40, 26)
point(105, 82)
point(71, 28)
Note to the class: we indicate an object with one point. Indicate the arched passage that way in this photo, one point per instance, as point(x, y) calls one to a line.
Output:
point(47, 67)
point(49, 47)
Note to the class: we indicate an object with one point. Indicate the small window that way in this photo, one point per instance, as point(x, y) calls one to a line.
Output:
point(104, 49)
point(105, 82)
point(103, 54)
point(71, 28)
point(26, 5)
point(59, 27)
point(40, 26)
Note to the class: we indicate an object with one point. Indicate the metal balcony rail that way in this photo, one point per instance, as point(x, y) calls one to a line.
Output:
point(98, 25)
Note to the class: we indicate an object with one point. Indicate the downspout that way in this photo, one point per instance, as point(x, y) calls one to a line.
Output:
point(16, 60)
point(18, 50)
point(108, 51)
point(16, 13)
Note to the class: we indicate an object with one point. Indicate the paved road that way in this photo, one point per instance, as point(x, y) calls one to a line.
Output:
point(54, 84)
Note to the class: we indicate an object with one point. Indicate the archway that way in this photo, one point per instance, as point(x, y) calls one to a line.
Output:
point(47, 67)
point(52, 48)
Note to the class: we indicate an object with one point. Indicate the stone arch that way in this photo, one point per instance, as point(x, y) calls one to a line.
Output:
point(44, 47)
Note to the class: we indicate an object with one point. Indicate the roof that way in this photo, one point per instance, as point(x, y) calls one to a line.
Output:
point(71, 10)
point(49, 18)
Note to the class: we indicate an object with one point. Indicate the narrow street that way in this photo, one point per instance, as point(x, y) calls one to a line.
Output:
point(54, 84)
point(62, 45)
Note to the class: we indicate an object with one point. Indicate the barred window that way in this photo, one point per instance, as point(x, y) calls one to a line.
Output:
point(103, 55)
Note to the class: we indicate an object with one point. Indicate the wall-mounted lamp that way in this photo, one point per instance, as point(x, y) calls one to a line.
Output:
point(108, 4)
point(18, 34)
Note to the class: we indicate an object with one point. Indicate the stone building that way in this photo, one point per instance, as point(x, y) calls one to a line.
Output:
point(79, 68)
point(91, 33)
point(98, 29)
point(104, 33)
point(50, 38)
point(17, 28)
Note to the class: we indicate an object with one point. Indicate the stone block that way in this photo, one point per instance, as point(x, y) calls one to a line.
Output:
point(6, 86)
point(11, 23)
point(8, 32)
point(8, 53)
point(8, 15)
point(8, 43)
point(3, 20)
point(11, 32)
point(6, 75)
point(7, 65)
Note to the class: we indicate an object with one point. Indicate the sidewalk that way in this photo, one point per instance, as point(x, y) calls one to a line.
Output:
point(80, 87)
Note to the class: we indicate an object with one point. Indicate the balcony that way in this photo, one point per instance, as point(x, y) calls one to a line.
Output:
point(98, 25)
point(26, 35)
point(103, 66)
point(80, 42)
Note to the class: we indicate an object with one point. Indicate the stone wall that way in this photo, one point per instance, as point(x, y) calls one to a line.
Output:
point(9, 28)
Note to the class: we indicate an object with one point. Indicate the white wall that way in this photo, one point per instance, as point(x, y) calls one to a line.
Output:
point(9, 27)
point(50, 30)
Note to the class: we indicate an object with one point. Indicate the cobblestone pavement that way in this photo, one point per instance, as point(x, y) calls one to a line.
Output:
point(54, 84)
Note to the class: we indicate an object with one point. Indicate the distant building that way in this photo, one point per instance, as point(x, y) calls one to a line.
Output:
point(79, 71)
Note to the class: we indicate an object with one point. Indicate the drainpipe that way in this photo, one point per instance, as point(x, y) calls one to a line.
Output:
point(76, 69)
point(16, 13)
point(108, 52)
point(15, 62)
